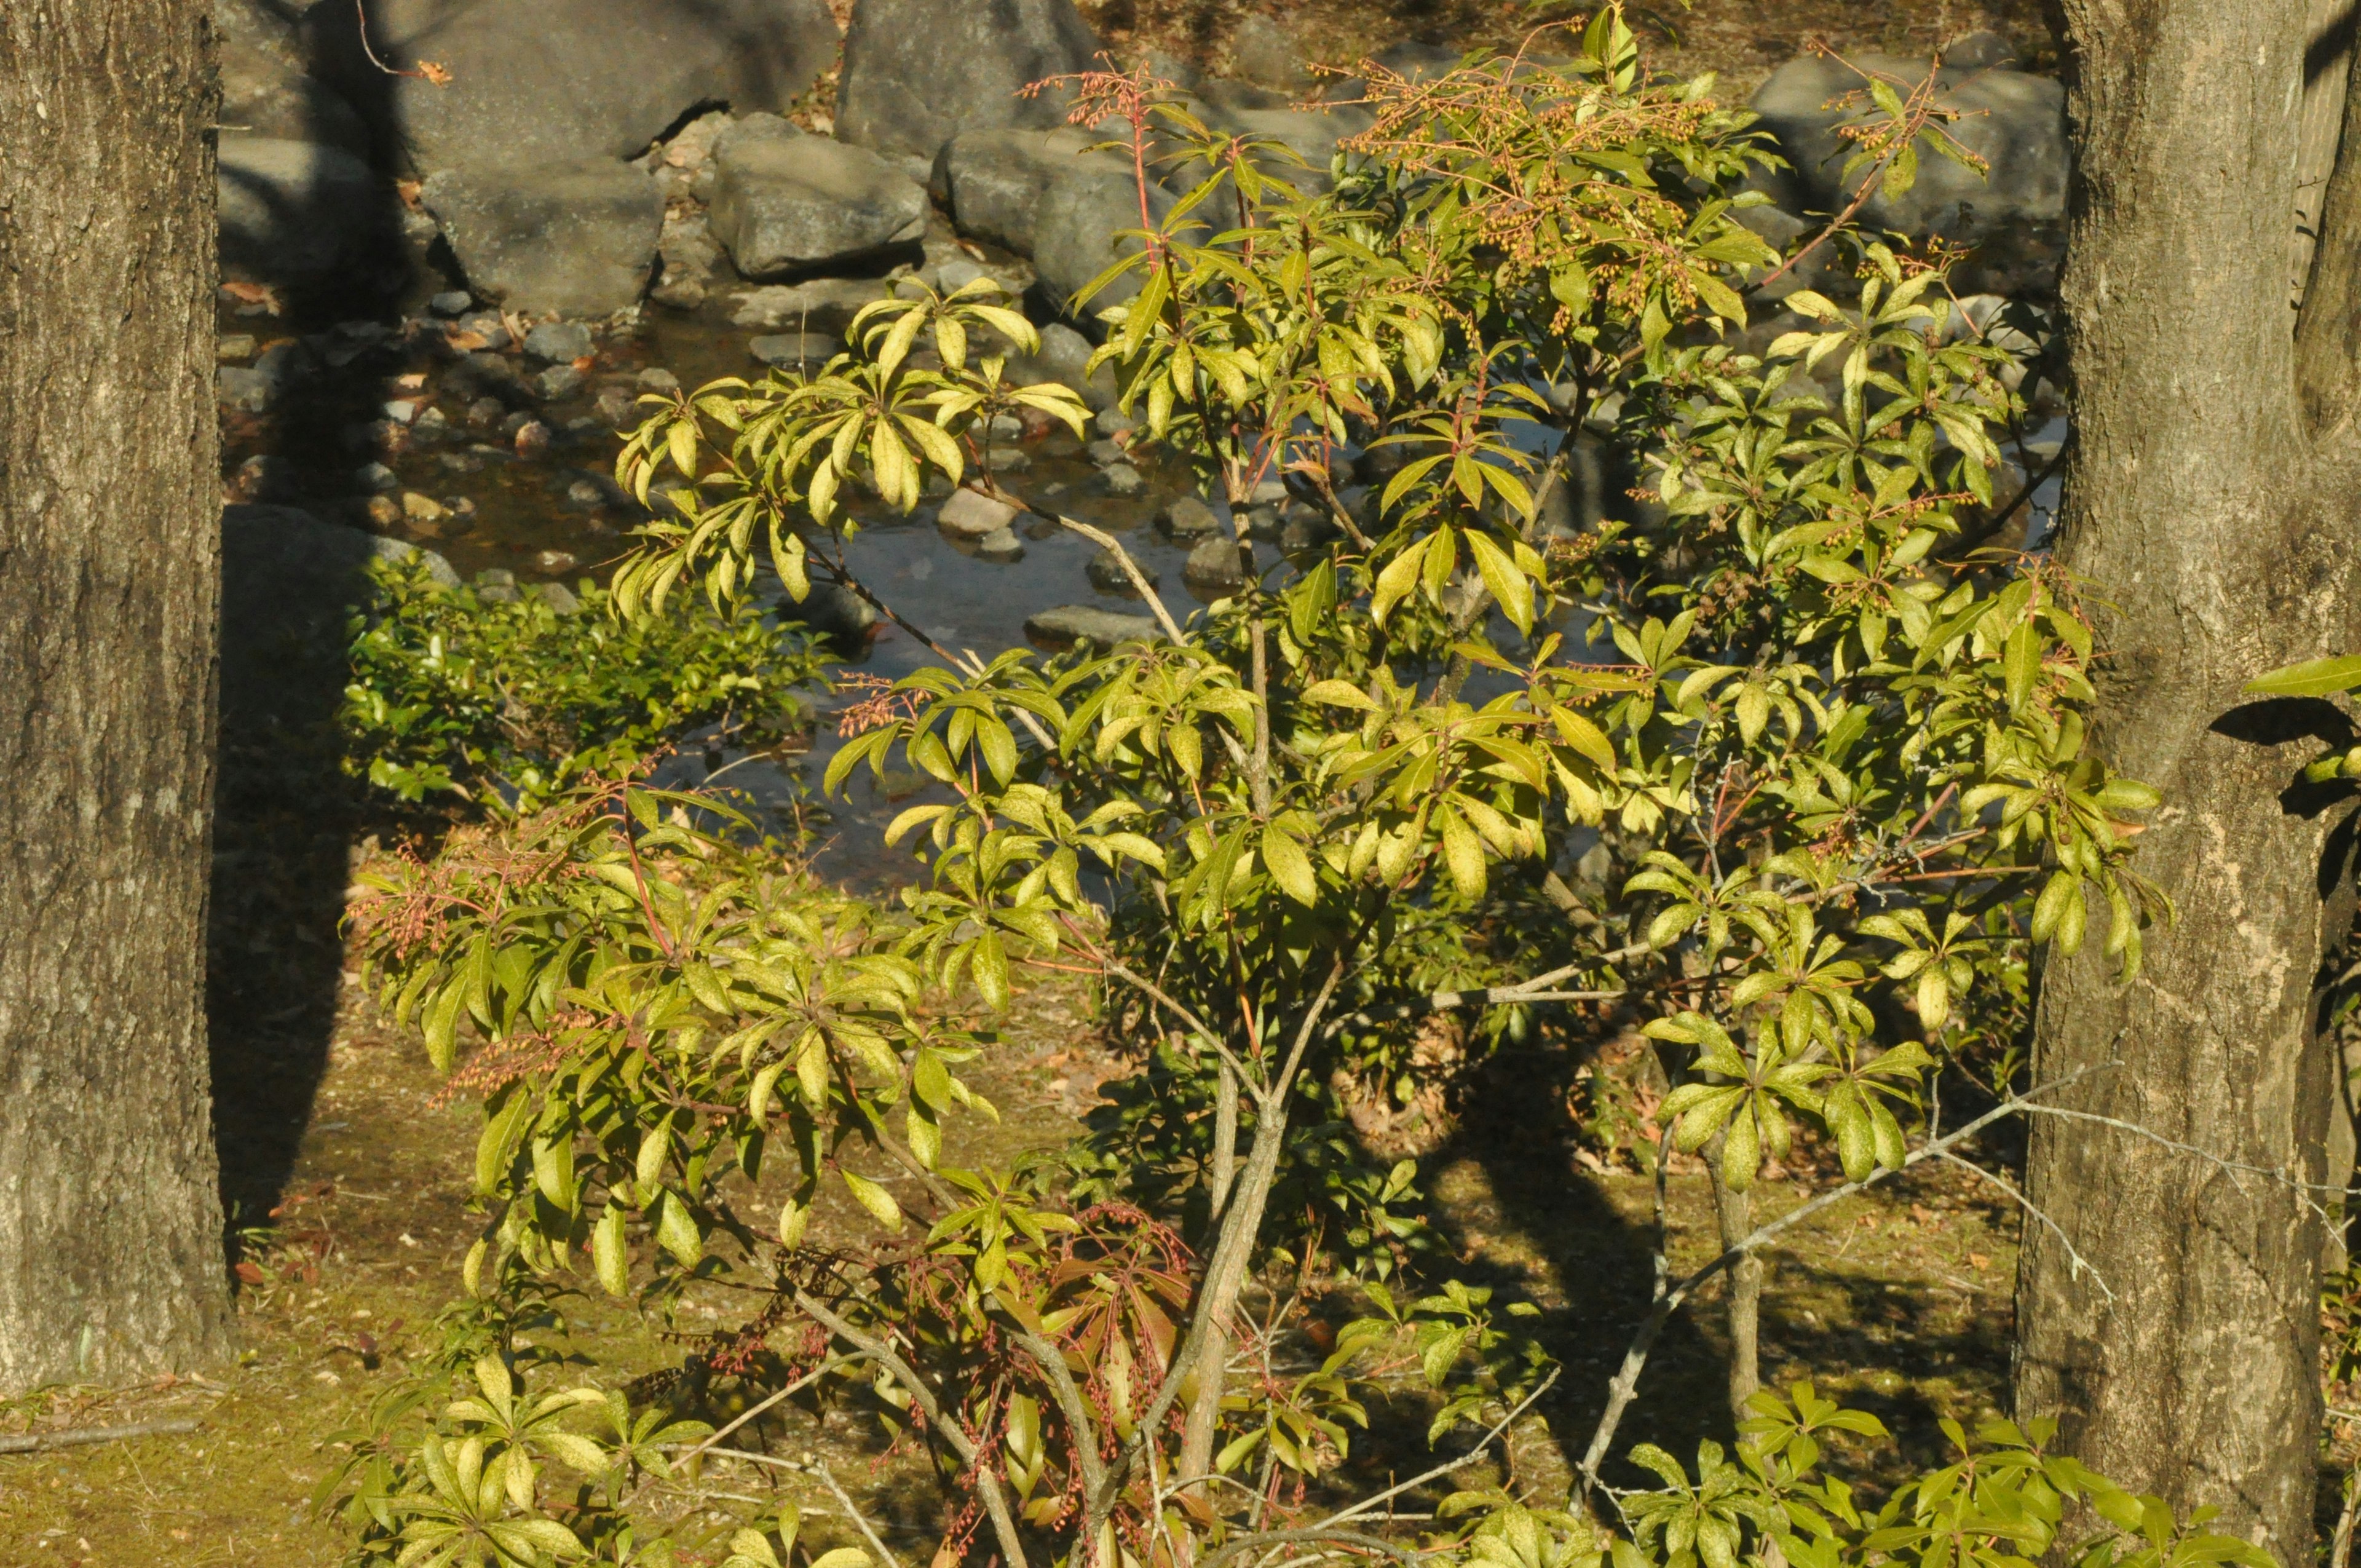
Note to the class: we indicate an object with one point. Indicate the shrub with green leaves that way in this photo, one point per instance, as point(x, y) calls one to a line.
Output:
point(1838, 754)
point(507, 701)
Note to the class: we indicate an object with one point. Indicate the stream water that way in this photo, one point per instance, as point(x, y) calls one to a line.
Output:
point(555, 515)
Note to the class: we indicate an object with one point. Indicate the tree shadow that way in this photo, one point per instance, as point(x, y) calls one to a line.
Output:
point(284, 819)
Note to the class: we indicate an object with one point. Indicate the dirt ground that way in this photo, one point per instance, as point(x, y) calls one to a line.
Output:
point(1898, 1300)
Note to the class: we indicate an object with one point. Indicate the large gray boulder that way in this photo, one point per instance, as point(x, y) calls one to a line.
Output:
point(994, 181)
point(2015, 120)
point(296, 211)
point(266, 90)
point(574, 237)
point(786, 202)
point(917, 72)
point(1079, 234)
point(566, 78)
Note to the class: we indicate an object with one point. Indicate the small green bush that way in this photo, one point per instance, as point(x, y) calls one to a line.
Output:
point(510, 701)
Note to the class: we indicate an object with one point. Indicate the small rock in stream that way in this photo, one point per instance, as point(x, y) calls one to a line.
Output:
point(559, 343)
point(1001, 545)
point(496, 584)
point(531, 439)
point(656, 379)
point(451, 302)
point(1105, 572)
point(375, 479)
point(245, 392)
point(232, 345)
point(1186, 517)
point(790, 350)
point(1212, 568)
point(1069, 623)
point(558, 382)
point(1122, 479)
point(973, 515)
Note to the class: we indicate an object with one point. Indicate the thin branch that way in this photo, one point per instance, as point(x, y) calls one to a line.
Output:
point(2233, 1168)
point(1626, 1382)
point(1365, 1504)
point(868, 1532)
point(1537, 988)
point(797, 1386)
point(2076, 1264)
point(1107, 542)
point(74, 1437)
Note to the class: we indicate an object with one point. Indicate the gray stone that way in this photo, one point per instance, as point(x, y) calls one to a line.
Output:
point(246, 391)
point(1065, 624)
point(558, 382)
point(917, 72)
point(792, 350)
point(1186, 517)
point(971, 514)
point(656, 379)
point(784, 202)
point(1122, 479)
point(833, 610)
point(1262, 52)
point(1081, 231)
point(1981, 50)
point(1211, 569)
point(824, 304)
point(499, 584)
point(266, 90)
point(560, 343)
point(1002, 546)
point(295, 211)
point(1312, 135)
point(994, 181)
point(689, 254)
point(1106, 452)
point(564, 238)
point(233, 346)
point(1105, 573)
point(2015, 120)
point(539, 79)
point(375, 479)
point(556, 595)
point(451, 302)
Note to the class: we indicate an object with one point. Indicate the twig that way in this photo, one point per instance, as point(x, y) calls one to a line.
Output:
point(1107, 542)
point(2076, 1264)
point(1626, 1382)
point(2234, 1168)
point(868, 1533)
point(1365, 1504)
point(76, 1437)
point(797, 1386)
point(1534, 990)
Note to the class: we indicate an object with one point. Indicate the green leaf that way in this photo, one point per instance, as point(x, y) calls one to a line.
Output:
point(1290, 866)
point(2316, 677)
point(873, 1197)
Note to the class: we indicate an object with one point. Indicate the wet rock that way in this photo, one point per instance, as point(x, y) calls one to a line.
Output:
point(486, 412)
point(792, 350)
point(556, 595)
point(994, 181)
point(295, 211)
point(531, 439)
point(2015, 120)
point(265, 477)
point(233, 346)
point(554, 561)
point(1122, 479)
point(574, 237)
point(686, 254)
point(1186, 517)
point(266, 89)
point(656, 379)
point(825, 304)
point(917, 72)
point(784, 202)
point(617, 407)
point(1212, 568)
point(834, 611)
point(583, 495)
point(418, 507)
point(1001, 546)
point(1105, 572)
point(486, 327)
point(969, 514)
point(538, 80)
point(1106, 452)
point(1001, 459)
point(496, 584)
point(432, 425)
point(1067, 624)
point(451, 302)
point(246, 391)
point(375, 479)
point(558, 343)
point(558, 382)
point(378, 513)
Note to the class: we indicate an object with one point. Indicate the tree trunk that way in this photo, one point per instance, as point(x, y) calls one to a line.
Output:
point(1734, 1216)
point(111, 1256)
point(2216, 526)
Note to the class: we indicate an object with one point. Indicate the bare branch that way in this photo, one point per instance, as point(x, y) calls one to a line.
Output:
point(868, 1532)
point(2077, 1264)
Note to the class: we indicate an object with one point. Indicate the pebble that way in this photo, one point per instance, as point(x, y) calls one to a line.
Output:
point(656, 379)
point(1122, 479)
point(1186, 517)
point(1106, 452)
point(431, 425)
point(1067, 623)
point(531, 439)
point(789, 350)
point(496, 584)
point(264, 478)
point(376, 479)
point(1212, 567)
point(460, 462)
point(486, 326)
point(554, 561)
point(560, 343)
point(421, 508)
point(1105, 572)
point(615, 406)
point(234, 346)
point(1007, 427)
point(973, 515)
point(586, 495)
point(402, 410)
point(1115, 422)
point(559, 381)
point(1008, 459)
point(246, 391)
point(486, 412)
point(557, 597)
point(1001, 545)
point(451, 302)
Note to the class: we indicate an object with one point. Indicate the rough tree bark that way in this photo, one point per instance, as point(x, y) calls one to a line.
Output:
point(2213, 498)
point(111, 1259)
